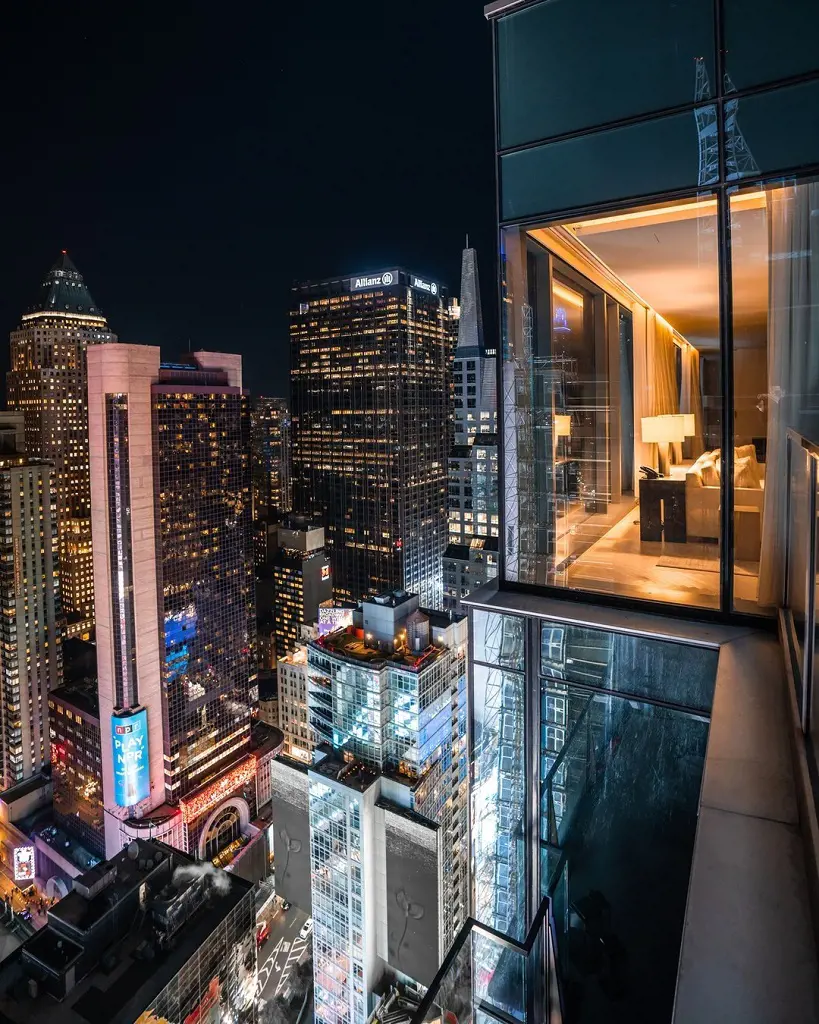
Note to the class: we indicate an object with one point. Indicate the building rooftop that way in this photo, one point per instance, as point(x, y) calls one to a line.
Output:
point(352, 774)
point(265, 739)
point(42, 778)
point(64, 291)
point(127, 929)
point(81, 696)
point(350, 643)
point(41, 825)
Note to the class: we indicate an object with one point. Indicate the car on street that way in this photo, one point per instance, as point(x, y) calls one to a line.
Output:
point(262, 933)
point(306, 928)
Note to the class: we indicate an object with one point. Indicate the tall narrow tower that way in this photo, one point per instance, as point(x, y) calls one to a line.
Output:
point(171, 507)
point(47, 382)
point(471, 557)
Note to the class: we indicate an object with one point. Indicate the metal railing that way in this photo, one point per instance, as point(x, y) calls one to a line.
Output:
point(488, 976)
point(800, 585)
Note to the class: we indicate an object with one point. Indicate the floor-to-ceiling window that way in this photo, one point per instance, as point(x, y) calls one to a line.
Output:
point(656, 200)
point(613, 409)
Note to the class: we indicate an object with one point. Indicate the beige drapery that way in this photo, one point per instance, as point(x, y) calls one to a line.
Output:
point(691, 400)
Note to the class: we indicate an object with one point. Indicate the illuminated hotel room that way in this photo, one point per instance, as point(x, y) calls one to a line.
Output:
point(628, 376)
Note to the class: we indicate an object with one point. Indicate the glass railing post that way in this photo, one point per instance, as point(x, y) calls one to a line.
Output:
point(810, 601)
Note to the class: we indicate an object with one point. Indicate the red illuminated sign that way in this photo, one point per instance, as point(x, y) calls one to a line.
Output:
point(194, 806)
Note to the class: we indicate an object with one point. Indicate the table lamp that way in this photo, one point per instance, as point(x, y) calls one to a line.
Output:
point(662, 431)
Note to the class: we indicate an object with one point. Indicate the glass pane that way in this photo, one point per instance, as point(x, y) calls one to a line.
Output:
point(798, 534)
point(774, 242)
point(615, 164)
point(600, 62)
point(453, 999)
point(663, 670)
point(498, 639)
point(498, 799)
point(772, 131)
point(620, 893)
point(612, 359)
point(499, 976)
point(769, 39)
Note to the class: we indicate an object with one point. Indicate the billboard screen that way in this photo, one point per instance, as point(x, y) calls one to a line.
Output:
point(24, 864)
point(333, 618)
point(132, 774)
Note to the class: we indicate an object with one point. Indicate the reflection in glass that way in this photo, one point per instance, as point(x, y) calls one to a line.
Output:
point(629, 663)
point(618, 862)
point(498, 799)
point(774, 241)
point(498, 639)
point(611, 374)
point(649, 67)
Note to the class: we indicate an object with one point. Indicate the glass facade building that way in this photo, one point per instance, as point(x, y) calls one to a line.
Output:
point(657, 202)
point(204, 509)
point(370, 407)
point(172, 516)
point(657, 308)
point(388, 799)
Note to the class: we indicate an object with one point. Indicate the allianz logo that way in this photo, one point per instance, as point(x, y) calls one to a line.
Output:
point(370, 282)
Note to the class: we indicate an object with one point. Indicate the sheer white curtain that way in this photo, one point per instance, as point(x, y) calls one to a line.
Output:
point(691, 400)
point(793, 359)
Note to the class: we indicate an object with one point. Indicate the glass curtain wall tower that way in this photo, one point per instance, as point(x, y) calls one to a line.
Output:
point(658, 208)
point(471, 557)
point(172, 509)
point(370, 378)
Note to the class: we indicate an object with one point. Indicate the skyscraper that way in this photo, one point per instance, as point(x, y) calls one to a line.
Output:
point(270, 441)
point(370, 378)
point(301, 580)
point(30, 613)
point(387, 799)
point(171, 511)
point(471, 558)
point(47, 383)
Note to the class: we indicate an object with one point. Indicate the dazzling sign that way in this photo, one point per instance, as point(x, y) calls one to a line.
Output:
point(330, 619)
point(24, 864)
point(132, 774)
point(209, 796)
point(430, 287)
point(383, 280)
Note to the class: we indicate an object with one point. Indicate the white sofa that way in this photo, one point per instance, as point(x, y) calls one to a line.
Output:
point(702, 500)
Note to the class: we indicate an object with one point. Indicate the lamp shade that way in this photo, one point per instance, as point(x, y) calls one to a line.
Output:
point(663, 429)
point(690, 427)
point(563, 425)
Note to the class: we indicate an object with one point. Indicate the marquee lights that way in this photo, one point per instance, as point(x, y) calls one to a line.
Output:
point(196, 805)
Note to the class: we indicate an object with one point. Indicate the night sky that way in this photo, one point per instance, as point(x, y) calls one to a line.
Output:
point(196, 158)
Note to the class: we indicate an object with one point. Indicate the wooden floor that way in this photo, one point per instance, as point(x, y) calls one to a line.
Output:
point(620, 563)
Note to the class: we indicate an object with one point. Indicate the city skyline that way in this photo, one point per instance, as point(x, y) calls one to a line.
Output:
point(217, 229)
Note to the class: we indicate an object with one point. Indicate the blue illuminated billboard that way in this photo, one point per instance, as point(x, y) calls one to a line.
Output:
point(132, 773)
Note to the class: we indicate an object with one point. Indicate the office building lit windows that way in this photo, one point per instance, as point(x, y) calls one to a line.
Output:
point(370, 379)
point(47, 383)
